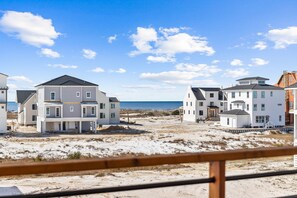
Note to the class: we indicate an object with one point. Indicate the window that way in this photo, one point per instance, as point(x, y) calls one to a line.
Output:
point(233, 94)
point(279, 104)
point(2, 92)
point(84, 110)
point(222, 104)
point(271, 93)
point(189, 112)
point(102, 105)
point(255, 107)
point(261, 82)
point(57, 112)
point(193, 112)
point(247, 107)
point(186, 103)
point(260, 119)
point(188, 95)
point(211, 104)
point(93, 111)
point(291, 105)
point(184, 111)
point(71, 108)
point(190, 103)
point(102, 115)
point(48, 112)
point(262, 94)
point(247, 94)
point(239, 94)
point(228, 121)
point(78, 94)
point(237, 106)
point(211, 95)
point(53, 96)
point(262, 107)
point(280, 118)
point(112, 106)
point(34, 106)
point(255, 94)
point(112, 115)
point(2, 107)
point(201, 113)
point(200, 104)
point(33, 117)
point(88, 94)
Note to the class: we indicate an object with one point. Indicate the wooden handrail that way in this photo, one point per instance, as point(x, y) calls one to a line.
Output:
point(126, 162)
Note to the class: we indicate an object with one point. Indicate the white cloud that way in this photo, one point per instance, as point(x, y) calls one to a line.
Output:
point(260, 45)
point(12, 86)
point(19, 79)
point(160, 59)
point(29, 28)
point(62, 66)
point(89, 54)
point(258, 62)
point(50, 53)
point(282, 38)
point(98, 70)
point(236, 62)
point(235, 73)
point(168, 43)
point(148, 86)
point(201, 69)
point(112, 38)
point(214, 62)
point(120, 70)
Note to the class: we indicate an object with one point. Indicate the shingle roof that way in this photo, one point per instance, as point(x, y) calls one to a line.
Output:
point(253, 78)
point(254, 87)
point(113, 99)
point(235, 112)
point(3, 74)
point(198, 94)
point(68, 81)
point(292, 86)
point(24, 95)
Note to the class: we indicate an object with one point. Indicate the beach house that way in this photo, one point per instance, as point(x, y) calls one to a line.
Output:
point(253, 103)
point(3, 103)
point(67, 104)
point(202, 103)
point(27, 107)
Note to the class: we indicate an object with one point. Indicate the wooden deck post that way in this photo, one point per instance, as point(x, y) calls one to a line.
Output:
point(217, 170)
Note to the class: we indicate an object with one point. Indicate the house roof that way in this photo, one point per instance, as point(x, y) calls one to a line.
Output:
point(254, 87)
point(253, 78)
point(235, 112)
point(3, 74)
point(292, 86)
point(113, 99)
point(67, 81)
point(198, 94)
point(210, 88)
point(238, 101)
point(24, 95)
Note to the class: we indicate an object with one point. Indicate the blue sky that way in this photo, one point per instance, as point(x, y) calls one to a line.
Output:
point(146, 49)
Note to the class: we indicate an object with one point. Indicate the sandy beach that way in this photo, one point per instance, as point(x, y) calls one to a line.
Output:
point(148, 135)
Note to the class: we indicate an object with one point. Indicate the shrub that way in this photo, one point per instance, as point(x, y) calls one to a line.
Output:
point(176, 112)
point(75, 155)
point(38, 158)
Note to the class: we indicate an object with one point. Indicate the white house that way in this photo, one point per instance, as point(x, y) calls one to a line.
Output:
point(293, 111)
point(202, 103)
point(260, 104)
point(3, 103)
point(27, 107)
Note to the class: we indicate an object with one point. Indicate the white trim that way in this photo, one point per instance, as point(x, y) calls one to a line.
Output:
point(51, 96)
point(71, 108)
point(92, 111)
point(77, 94)
point(49, 111)
point(89, 93)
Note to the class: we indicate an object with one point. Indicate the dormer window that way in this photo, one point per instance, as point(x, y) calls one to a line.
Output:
point(261, 82)
point(53, 96)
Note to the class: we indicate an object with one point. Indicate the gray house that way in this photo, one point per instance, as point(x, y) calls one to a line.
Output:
point(67, 104)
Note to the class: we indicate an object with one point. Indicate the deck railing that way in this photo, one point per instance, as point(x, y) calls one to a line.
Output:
point(216, 179)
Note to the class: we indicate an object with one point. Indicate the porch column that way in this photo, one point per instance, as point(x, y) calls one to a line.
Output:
point(80, 126)
point(61, 126)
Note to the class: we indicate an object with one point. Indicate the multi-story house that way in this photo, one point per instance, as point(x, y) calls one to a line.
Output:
point(3, 103)
point(69, 104)
point(201, 103)
point(287, 79)
point(253, 103)
point(27, 107)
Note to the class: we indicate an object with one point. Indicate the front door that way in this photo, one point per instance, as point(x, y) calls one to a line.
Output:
point(64, 126)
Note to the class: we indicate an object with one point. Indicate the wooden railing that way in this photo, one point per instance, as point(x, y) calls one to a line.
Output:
point(216, 161)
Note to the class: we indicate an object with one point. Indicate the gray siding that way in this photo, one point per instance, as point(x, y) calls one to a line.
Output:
point(93, 93)
point(47, 93)
point(76, 111)
point(69, 94)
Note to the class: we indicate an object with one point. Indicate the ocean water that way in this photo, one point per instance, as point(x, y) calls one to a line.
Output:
point(133, 105)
